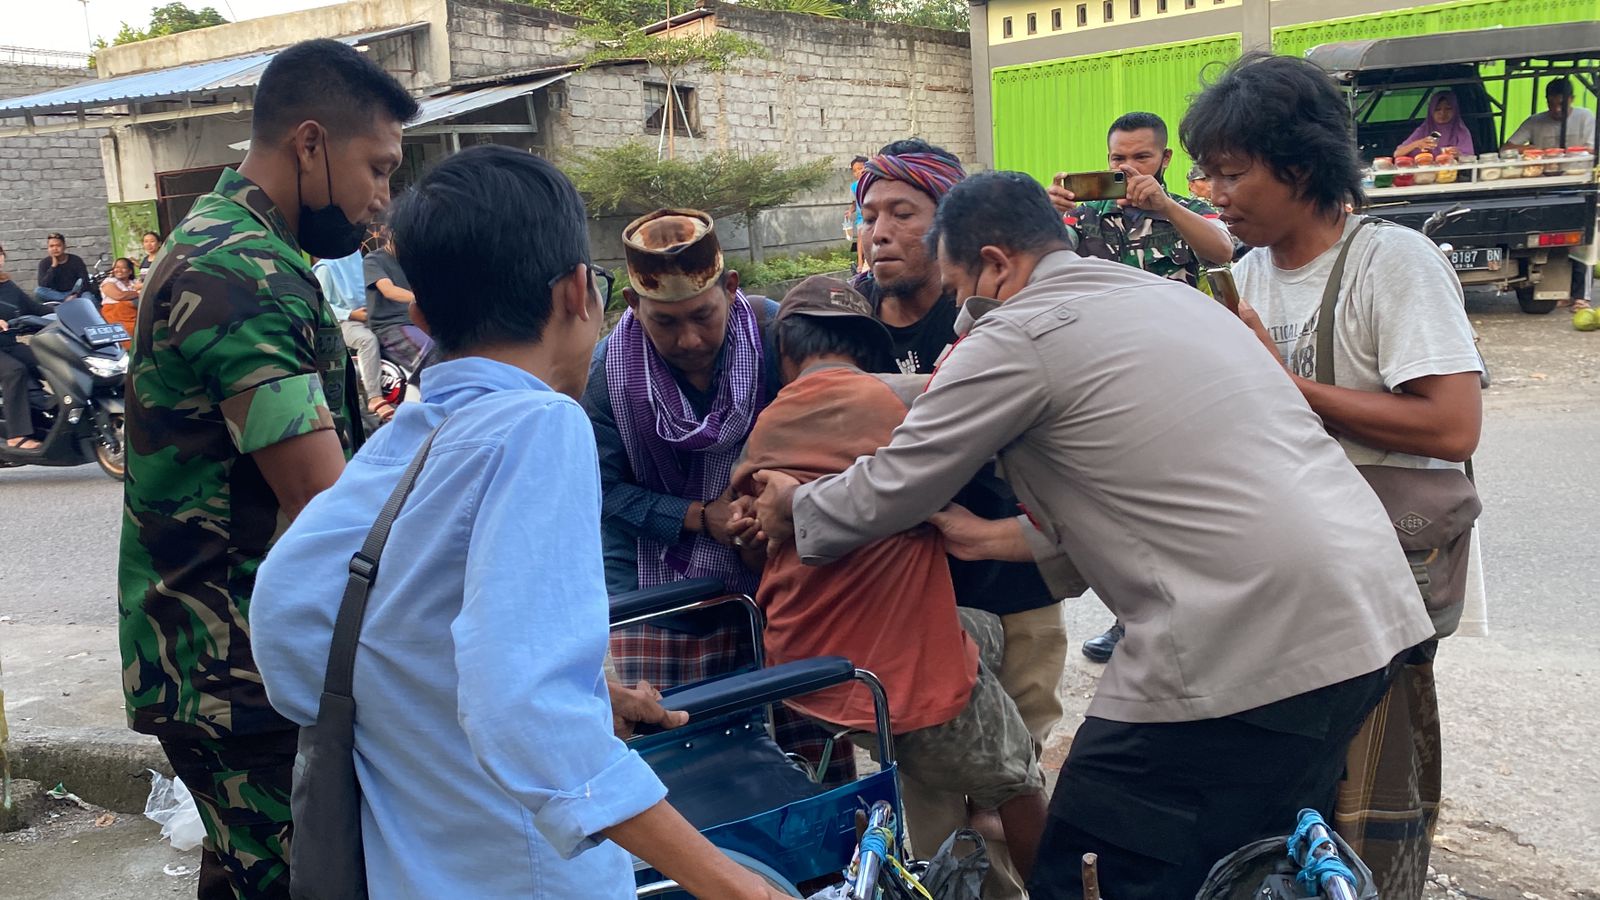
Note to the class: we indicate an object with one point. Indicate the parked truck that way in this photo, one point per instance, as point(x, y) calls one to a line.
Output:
point(1512, 220)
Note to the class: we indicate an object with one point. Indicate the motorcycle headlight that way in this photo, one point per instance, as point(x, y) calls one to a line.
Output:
point(107, 368)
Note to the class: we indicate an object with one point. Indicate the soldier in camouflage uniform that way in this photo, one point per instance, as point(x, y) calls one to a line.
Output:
point(1164, 234)
point(238, 403)
point(1151, 229)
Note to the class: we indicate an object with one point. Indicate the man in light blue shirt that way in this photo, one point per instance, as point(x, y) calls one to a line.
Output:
point(341, 285)
point(484, 741)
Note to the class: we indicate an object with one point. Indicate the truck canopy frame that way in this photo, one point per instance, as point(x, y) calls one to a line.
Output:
point(1371, 68)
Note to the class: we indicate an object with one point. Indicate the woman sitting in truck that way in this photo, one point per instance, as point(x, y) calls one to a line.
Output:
point(1442, 128)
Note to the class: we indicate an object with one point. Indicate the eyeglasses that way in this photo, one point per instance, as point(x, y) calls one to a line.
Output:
point(600, 278)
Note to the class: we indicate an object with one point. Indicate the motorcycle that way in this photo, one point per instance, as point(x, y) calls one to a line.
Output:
point(401, 379)
point(78, 412)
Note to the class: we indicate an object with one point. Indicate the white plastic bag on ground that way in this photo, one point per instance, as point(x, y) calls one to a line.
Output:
point(172, 807)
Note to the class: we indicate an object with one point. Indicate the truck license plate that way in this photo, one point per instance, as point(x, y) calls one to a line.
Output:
point(1491, 258)
point(103, 335)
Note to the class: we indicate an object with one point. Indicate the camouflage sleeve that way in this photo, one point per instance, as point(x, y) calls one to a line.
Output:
point(1197, 206)
point(253, 353)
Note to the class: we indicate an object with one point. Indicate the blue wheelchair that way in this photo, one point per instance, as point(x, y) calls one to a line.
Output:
point(729, 778)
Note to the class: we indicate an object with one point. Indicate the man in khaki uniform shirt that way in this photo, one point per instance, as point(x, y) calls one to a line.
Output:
point(1192, 487)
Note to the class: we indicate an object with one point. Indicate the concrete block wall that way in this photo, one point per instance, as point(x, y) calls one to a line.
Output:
point(49, 183)
point(489, 37)
point(835, 87)
point(826, 88)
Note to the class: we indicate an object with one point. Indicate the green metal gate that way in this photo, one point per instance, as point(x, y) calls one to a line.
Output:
point(1052, 117)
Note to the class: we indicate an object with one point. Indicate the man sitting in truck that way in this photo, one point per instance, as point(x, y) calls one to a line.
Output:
point(1561, 125)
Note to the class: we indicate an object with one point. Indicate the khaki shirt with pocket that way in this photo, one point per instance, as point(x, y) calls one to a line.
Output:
point(1164, 454)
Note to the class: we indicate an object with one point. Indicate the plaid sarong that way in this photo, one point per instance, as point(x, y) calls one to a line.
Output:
point(669, 658)
point(1388, 804)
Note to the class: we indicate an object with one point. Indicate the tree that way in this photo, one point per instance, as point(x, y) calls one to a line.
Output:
point(950, 15)
point(173, 18)
point(825, 8)
point(614, 31)
point(671, 54)
point(634, 13)
point(631, 180)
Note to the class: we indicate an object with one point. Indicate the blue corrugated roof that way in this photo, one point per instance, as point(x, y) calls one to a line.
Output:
point(448, 106)
point(163, 84)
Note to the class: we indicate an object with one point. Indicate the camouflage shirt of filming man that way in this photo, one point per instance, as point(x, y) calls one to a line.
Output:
point(235, 350)
point(1138, 238)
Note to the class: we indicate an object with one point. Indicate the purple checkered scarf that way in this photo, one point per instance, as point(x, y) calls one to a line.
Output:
point(659, 427)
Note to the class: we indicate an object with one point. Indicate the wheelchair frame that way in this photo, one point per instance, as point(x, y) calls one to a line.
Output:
point(730, 702)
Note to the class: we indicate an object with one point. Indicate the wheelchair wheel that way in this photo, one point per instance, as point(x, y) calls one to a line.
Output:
point(667, 889)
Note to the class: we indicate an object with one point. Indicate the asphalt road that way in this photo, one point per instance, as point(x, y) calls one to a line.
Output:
point(59, 528)
point(1521, 708)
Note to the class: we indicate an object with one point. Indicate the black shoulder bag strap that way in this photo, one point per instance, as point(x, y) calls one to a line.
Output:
point(327, 854)
point(363, 572)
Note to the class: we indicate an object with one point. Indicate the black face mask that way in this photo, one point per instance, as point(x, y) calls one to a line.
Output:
point(327, 232)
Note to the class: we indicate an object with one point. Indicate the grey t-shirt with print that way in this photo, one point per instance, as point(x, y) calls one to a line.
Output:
point(1400, 317)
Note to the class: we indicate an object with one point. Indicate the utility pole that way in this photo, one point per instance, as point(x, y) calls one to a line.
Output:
point(1255, 30)
point(88, 32)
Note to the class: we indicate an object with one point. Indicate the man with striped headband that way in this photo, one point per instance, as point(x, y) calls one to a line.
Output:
point(898, 192)
point(673, 393)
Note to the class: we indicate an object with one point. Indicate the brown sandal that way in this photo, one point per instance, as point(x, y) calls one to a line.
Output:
point(381, 408)
point(23, 443)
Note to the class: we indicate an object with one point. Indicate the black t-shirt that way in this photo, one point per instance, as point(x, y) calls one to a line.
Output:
point(918, 346)
point(381, 311)
point(64, 276)
point(1001, 588)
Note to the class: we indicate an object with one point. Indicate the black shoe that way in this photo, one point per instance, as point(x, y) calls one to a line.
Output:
point(1100, 647)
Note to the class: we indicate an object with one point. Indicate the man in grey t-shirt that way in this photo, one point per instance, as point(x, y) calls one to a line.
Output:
point(1561, 125)
point(1406, 387)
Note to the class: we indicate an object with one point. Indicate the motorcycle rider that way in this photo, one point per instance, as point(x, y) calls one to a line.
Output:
point(389, 300)
point(18, 369)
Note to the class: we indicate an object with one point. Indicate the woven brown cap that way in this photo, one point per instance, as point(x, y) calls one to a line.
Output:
point(672, 254)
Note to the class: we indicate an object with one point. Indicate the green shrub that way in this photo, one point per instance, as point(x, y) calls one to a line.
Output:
point(787, 268)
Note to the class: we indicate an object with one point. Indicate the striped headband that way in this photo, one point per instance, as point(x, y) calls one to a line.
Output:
point(933, 174)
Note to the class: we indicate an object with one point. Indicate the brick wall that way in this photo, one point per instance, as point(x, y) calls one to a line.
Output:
point(49, 183)
point(488, 37)
point(826, 88)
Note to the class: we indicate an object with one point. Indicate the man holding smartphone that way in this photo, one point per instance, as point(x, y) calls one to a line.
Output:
point(1148, 229)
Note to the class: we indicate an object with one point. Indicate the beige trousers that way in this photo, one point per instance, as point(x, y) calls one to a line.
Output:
point(1030, 671)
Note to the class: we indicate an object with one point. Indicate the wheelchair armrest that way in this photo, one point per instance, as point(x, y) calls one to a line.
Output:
point(732, 693)
point(663, 598)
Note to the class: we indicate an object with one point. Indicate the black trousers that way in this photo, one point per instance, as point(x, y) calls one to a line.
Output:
point(1160, 803)
point(17, 366)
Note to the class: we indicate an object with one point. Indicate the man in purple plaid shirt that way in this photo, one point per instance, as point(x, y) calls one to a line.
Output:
point(673, 393)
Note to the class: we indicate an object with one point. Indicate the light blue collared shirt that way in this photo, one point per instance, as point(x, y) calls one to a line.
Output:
point(483, 724)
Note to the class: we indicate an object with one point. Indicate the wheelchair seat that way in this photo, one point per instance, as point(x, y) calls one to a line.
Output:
point(726, 769)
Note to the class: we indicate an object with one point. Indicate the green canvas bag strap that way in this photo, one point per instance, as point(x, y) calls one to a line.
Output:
point(1330, 299)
